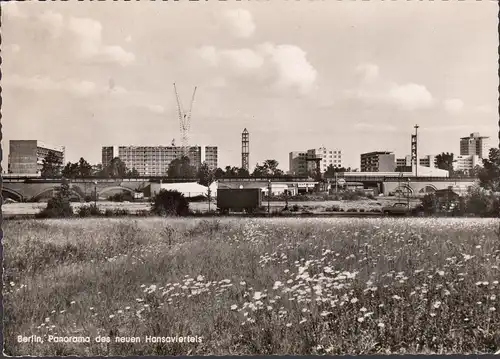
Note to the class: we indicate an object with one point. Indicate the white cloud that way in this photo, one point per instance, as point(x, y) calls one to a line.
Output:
point(78, 88)
point(240, 22)
point(10, 9)
point(293, 67)
point(454, 105)
point(284, 66)
point(53, 21)
point(411, 96)
point(370, 72)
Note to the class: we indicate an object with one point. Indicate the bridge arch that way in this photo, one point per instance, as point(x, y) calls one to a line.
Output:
point(404, 189)
point(114, 188)
point(428, 188)
point(11, 193)
point(72, 191)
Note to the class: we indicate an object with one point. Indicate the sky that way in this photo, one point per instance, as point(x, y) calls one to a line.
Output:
point(351, 75)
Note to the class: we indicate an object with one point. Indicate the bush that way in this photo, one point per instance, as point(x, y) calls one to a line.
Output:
point(58, 206)
point(170, 203)
point(89, 211)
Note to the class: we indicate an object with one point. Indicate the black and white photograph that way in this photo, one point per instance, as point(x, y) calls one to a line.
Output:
point(213, 178)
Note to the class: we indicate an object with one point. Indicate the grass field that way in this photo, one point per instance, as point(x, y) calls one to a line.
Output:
point(254, 286)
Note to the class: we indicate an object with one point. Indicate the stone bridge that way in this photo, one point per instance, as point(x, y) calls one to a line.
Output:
point(22, 189)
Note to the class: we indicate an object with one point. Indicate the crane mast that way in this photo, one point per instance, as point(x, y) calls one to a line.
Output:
point(184, 120)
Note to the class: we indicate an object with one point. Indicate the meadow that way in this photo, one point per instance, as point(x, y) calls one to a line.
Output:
point(254, 286)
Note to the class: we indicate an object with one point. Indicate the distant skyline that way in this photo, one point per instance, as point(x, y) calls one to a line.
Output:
point(356, 76)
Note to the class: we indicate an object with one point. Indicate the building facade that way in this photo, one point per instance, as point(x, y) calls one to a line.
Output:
point(378, 161)
point(297, 163)
point(300, 166)
point(428, 161)
point(26, 156)
point(211, 157)
point(154, 160)
point(475, 145)
point(466, 163)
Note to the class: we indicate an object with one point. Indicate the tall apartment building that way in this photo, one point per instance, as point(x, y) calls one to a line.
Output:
point(299, 166)
point(475, 145)
point(378, 161)
point(467, 162)
point(211, 157)
point(154, 160)
point(26, 156)
point(297, 163)
point(404, 161)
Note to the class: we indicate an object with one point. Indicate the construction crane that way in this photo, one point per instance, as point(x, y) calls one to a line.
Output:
point(184, 120)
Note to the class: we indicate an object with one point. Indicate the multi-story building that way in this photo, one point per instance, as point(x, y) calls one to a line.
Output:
point(154, 160)
point(428, 161)
point(403, 162)
point(297, 163)
point(211, 157)
point(378, 161)
point(475, 145)
point(300, 166)
point(26, 156)
point(466, 163)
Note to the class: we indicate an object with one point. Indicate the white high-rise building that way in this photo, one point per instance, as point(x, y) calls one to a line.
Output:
point(300, 166)
point(475, 145)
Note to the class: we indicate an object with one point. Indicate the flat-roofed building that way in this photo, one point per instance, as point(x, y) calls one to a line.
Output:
point(26, 156)
point(378, 161)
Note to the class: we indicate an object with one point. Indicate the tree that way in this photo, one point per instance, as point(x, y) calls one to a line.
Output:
point(70, 170)
point(489, 176)
point(444, 161)
point(98, 171)
point(59, 205)
point(51, 165)
point(219, 173)
point(331, 170)
point(133, 173)
point(181, 168)
point(205, 175)
point(84, 168)
point(116, 168)
point(170, 203)
point(268, 169)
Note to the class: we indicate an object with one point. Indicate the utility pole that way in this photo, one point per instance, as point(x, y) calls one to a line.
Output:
point(408, 195)
point(268, 197)
point(414, 149)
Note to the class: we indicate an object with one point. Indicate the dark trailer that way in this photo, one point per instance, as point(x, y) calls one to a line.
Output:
point(239, 199)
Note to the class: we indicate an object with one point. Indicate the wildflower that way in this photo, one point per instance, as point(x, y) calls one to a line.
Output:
point(120, 311)
point(354, 300)
point(200, 278)
point(361, 319)
point(72, 302)
point(288, 325)
point(363, 309)
point(492, 309)
point(303, 321)
point(441, 273)
point(493, 297)
point(433, 314)
point(258, 295)
point(242, 283)
point(437, 304)
point(234, 307)
point(397, 297)
point(47, 320)
point(127, 308)
point(325, 313)
point(111, 316)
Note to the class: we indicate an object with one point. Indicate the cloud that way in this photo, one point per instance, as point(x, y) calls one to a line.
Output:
point(90, 45)
point(454, 105)
point(281, 66)
point(84, 35)
point(54, 22)
point(411, 96)
point(292, 66)
point(10, 9)
point(78, 88)
point(370, 72)
point(128, 38)
point(240, 22)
